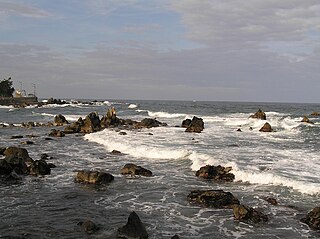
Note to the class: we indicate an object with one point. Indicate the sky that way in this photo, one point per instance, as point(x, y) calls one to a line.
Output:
point(211, 50)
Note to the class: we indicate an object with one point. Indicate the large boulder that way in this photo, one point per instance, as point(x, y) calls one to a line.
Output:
point(305, 119)
point(186, 123)
point(313, 219)
point(149, 123)
point(259, 115)
point(74, 127)
point(88, 226)
point(39, 167)
point(196, 125)
point(14, 164)
point(110, 119)
point(217, 173)
point(133, 170)
point(134, 229)
point(91, 123)
point(212, 198)
point(17, 152)
point(93, 177)
point(5, 167)
point(245, 213)
point(266, 128)
point(60, 120)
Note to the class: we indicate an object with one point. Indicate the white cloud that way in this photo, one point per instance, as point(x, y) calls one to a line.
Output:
point(10, 8)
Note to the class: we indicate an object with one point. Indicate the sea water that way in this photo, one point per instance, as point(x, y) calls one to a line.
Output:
point(283, 164)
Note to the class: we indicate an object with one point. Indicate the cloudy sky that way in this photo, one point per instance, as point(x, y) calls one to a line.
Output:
point(226, 50)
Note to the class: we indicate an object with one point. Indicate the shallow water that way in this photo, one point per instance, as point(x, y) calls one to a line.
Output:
point(283, 164)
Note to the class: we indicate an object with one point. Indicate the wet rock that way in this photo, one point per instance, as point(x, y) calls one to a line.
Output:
point(56, 133)
point(272, 201)
point(5, 167)
point(217, 173)
point(259, 115)
point(16, 137)
point(212, 198)
point(60, 120)
point(149, 123)
point(74, 127)
point(315, 113)
point(313, 219)
point(186, 123)
point(93, 177)
point(110, 119)
point(51, 165)
point(239, 130)
point(44, 156)
point(122, 133)
point(91, 123)
point(17, 152)
point(115, 152)
point(305, 119)
point(245, 213)
point(133, 170)
point(175, 237)
point(88, 226)
point(266, 128)
point(196, 125)
point(13, 163)
point(27, 142)
point(134, 229)
point(39, 167)
point(48, 138)
point(2, 149)
point(29, 124)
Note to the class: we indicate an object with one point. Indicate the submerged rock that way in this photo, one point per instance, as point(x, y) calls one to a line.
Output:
point(217, 173)
point(134, 229)
point(259, 115)
point(305, 119)
point(56, 133)
point(93, 177)
point(196, 125)
point(39, 167)
point(266, 128)
point(213, 198)
point(133, 170)
point(245, 213)
point(313, 219)
point(88, 226)
point(272, 201)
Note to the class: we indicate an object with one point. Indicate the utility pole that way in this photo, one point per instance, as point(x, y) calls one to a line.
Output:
point(34, 89)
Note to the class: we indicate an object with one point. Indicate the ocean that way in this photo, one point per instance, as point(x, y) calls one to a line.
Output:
point(283, 164)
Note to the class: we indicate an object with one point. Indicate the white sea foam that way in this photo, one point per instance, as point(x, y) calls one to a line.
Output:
point(161, 114)
point(132, 106)
point(6, 107)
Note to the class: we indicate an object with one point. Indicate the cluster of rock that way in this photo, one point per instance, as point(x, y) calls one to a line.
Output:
point(195, 124)
point(17, 162)
point(217, 173)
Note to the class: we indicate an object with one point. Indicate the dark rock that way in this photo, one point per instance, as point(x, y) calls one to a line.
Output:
point(186, 123)
point(306, 120)
point(56, 101)
point(115, 152)
point(259, 115)
point(48, 138)
point(245, 213)
point(122, 133)
point(175, 237)
point(110, 119)
point(217, 173)
point(91, 123)
point(239, 130)
point(315, 113)
point(27, 142)
point(134, 229)
point(29, 125)
point(13, 163)
point(149, 123)
point(212, 198)
point(60, 120)
point(196, 125)
point(2, 149)
point(313, 219)
point(18, 152)
point(133, 170)
point(266, 128)
point(51, 165)
point(272, 201)
point(39, 167)
point(74, 127)
point(56, 133)
point(93, 177)
point(44, 156)
point(16, 137)
point(88, 226)
point(5, 167)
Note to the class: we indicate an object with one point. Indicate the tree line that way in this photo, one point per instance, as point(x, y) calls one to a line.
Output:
point(6, 88)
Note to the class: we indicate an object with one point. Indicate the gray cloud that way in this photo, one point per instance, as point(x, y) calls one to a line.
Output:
point(10, 8)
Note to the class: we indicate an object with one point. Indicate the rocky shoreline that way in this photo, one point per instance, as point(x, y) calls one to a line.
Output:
point(16, 164)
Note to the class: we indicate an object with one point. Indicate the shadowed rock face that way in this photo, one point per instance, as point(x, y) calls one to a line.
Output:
point(266, 128)
point(133, 229)
point(132, 169)
point(313, 219)
point(196, 125)
point(88, 226)
point(39, 167)
point(245, 213)
point(213, 198)
point(17, 152)
point(305, 119)
point(93, 177)
point(217, 173)
point(60, 120)
point(259, 115)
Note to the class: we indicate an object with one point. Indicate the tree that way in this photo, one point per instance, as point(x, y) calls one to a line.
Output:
point(6, 89)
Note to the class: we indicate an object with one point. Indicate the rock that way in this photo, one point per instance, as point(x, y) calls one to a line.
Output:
point(122, 133)
point(272, 201)
point(110, 119)
point(186, 123)
point(175, 237)
point(56, 101)
point(56, 133)
point(149, 123)
point(74, 127)
point(27, 142)
point(2, 149)
point(217, 173)
point(5, 167)
point(134, 229)
point(196, 125)
point(29, 125)
point(18, 152)
point(212, 198)
point(51, 165)
point(133, 170)
point(44, 156)
point(88, 226)
point(259, 115)
point(48, 138)
point(16, 137)
point(13, 163)
point(93, 177)
point(315, 113)
point(60, 120)
point(313, 219)
point(266, 128)
point(115, 152)
point(91, 123)
point(239, 130)
point(305, 119)
point(39, 167)
point(245, 213)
